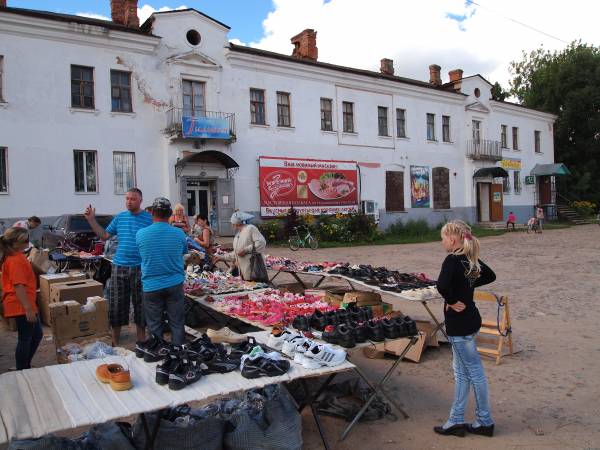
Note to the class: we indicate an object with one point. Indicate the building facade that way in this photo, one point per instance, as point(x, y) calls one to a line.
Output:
point(89, 108)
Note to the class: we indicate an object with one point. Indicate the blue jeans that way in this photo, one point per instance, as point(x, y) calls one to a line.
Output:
point(29, 338)
point(172, 300)
point(468, 371)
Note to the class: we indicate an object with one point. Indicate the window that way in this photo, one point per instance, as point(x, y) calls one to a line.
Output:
point(515, 137)
point(283, 110)
point(348, 116)
point(446, 128)
point(401, 123)
point(124, 171)
point(382, 120)
point(476, 125)
point(441, 187)
point(536, 136)
point(82, 87)
point(194, 104)
point(431, 127)
point(326, 114)
point(120, 91)
point(3, 169)
point(1, 77)
point(85, 171)
point(394, 191)
point(503, 137)
point(517, 181)
point(506, 185)
point(257, 106)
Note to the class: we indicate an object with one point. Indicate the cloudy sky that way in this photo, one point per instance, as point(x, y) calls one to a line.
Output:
point(480, 36)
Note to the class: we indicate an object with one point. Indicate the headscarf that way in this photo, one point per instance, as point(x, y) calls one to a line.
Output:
point(241, 218)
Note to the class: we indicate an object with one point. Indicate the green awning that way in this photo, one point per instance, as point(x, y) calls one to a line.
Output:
point(550, 169)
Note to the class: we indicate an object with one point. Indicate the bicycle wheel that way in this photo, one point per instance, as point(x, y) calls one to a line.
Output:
point(294, 243)
point(313, 243)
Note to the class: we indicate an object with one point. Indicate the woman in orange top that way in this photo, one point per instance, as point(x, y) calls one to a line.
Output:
point(18, 294)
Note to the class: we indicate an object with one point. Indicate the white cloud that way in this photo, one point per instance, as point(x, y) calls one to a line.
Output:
point(92, 15)
point(146, 11)
point(418, 33)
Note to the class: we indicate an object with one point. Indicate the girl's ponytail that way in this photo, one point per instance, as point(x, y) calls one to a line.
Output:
point(469, 243)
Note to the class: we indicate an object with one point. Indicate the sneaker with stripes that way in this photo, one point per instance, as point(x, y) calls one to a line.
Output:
point(326, 355)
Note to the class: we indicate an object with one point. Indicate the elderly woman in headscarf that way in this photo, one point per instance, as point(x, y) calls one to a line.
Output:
point(247, 239)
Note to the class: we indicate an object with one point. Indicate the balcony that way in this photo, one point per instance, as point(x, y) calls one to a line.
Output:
point(484, 150)
point(200, 125)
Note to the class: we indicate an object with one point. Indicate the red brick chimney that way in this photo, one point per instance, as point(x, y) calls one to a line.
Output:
point(387, 66)
point(434, 75)
point(305, 45)
point(124, 12)
point(455, 75)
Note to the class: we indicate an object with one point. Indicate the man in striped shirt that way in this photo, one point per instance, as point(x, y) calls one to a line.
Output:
point(126, 274)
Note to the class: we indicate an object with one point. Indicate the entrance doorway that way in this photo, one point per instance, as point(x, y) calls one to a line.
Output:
point(199, 197)
point(545, 188)
point(489, 202)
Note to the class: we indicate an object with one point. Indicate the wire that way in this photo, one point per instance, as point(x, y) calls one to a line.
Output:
point(471, 2)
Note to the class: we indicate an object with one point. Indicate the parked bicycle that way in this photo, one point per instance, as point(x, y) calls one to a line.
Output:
point(533, 226)
point(296, 240)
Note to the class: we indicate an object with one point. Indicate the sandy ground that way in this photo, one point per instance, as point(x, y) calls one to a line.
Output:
point(545, 397)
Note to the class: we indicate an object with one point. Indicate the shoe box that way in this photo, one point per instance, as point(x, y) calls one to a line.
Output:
point(427, 327)
point(396, 347)
point(78, 291)
point(362, 298)
point(73, 322)
point(46, 281)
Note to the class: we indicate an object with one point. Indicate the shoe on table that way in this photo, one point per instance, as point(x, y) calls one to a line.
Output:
point(330, 334)
point(455, 430)
point(289, 346)
point(325, 355)
point(390, 330)
point(345, 336)
point(318, 320)
point(278, 337)
point(264, 365)
point(186, 373)
point(482, 430)
point(375, 331)
point(301, 323)
point(114, 374)
point(218, 364)
point(168, 366)
point(225, 335)
point(359, 331)
point(152, 349)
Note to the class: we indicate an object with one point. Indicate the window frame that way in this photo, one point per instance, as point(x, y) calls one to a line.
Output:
point(134, 175)
point(537, 141)
point(380, 119)
point(84, 174)
point(517, 187)
point(446, 137)
point(348, 117)
point(121, 88)
point(4, 167)
point(503, 136)
point(401, 132)
point(193, 110)
point(82, 84)
point(476, 130)
point(281, 107)
point(259, 106)
point(324, 112)
point(430, 124)
point(506, 187)
point(515, 138)
point(1, 78)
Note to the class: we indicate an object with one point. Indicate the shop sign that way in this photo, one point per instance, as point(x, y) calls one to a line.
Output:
point(529, 179)
point(205, 127)
point(419, 186)
point(310, 186)
point(511, 164)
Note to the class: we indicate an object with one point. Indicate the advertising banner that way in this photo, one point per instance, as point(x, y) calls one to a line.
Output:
point(511, 164)
point(419, 186)
point(310, 186)
point(205, 127)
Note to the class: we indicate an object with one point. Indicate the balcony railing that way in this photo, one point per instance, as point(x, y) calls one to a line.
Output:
point(484, 150)
point(187, 124)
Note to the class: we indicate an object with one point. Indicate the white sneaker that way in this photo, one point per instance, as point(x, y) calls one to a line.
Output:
point(276, 341)
point(310, 363)
point(301, 347)
point(289, 346)
point(326, 355)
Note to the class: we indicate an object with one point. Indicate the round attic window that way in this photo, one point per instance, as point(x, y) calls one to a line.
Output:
point(477, 92)
point(193, 37)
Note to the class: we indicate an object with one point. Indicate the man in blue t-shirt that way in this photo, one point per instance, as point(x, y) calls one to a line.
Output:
point(126, 275)
point(161, 248)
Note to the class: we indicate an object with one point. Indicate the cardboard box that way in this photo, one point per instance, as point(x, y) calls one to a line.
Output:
point(336, 296)
point(294, 288)
point(319, 293)
point(427, 327)
point(40, 261)
point(362, 298)
point(78, 291)
point(46, 281)
point(396, 347)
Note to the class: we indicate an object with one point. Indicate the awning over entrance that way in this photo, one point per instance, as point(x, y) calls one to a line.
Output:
point(550, 169)
point(494, 172)
point(208, 157)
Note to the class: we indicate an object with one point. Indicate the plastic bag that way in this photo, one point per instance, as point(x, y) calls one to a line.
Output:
point(97, 350)
point(258, 268)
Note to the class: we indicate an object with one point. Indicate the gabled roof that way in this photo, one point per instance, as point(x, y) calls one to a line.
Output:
point(148, 23)
point(68, 18)
point(352, 70)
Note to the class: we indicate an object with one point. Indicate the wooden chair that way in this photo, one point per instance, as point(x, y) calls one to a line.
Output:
point(497, 330)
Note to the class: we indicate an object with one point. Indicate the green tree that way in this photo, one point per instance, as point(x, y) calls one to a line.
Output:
point(567, 83)
point(498, 92)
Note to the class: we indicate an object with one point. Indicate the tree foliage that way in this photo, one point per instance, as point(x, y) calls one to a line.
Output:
point(498, 92)
point(566, 83)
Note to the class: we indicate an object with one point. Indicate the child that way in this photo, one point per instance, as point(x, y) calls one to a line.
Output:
point(539, 215)
point(461, 273)
point(512, 219)
point(19, 286)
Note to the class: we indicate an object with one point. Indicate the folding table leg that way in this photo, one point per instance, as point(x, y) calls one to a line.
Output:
point(298, 279)
point(310, 401)
point(438, 326)
point(319, 282)
point(275, 276)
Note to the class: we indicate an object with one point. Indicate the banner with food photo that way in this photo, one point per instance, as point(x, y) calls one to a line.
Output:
point(311, 186)
point(419, 186)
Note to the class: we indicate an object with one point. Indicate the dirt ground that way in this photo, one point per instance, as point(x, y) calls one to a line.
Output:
point(544, 397)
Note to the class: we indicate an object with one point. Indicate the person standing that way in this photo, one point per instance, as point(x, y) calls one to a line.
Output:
point(18, 294)
point(179, 219)
point(161, 248)
point(539, 215)
point(126, 275)
point(463, 271)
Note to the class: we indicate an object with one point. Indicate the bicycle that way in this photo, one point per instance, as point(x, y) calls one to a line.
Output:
point(296, 241)
point(533, 226)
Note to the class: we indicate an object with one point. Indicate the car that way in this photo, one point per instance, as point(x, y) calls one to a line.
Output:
point(73, 232)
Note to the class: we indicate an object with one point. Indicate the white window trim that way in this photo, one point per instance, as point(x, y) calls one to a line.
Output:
point(134, 171)
point(86, 192)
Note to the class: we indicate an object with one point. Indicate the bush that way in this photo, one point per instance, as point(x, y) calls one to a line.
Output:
point(290, 221)
point(272, 230)
point(584, 208)
point(411, 228)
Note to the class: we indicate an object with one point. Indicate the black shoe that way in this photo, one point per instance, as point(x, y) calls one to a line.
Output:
point(154, 349)
point(218, 364)
point(201, 350)
point(141, 347)
point(360, 332)
point(482, 430)
point(262, 366)
point(390, 330)
point(455, 430)
point(332, 318)
point(186, 373)
point(167, 366)
point(367, 312)
point(375, 331)
point(412, 326)
point(301, 323)
point(343, 316)
point(401, 326)
point(330, 334)
point(345, 336)
point(318, 320)
point(239, 350)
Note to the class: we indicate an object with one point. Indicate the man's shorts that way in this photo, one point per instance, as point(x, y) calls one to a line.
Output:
point(125, 288)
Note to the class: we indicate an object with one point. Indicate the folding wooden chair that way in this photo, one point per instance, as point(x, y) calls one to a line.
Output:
point(497, 330)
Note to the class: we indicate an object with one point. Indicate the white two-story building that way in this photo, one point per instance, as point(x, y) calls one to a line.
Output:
point(90, 108)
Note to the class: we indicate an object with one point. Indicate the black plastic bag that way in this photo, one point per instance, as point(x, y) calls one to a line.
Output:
point(258, 268)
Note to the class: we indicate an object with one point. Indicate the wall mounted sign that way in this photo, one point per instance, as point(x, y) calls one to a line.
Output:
point(419, 187)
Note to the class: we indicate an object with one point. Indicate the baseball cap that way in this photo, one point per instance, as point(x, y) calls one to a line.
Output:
point(161, 203)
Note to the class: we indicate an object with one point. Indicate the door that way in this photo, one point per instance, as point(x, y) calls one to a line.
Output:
point(197, 201)
point(496, 202)
point(545, 190)
point(225, 205)
point(483, 201)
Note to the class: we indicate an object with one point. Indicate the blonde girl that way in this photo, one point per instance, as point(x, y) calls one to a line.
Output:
point(463, 271)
